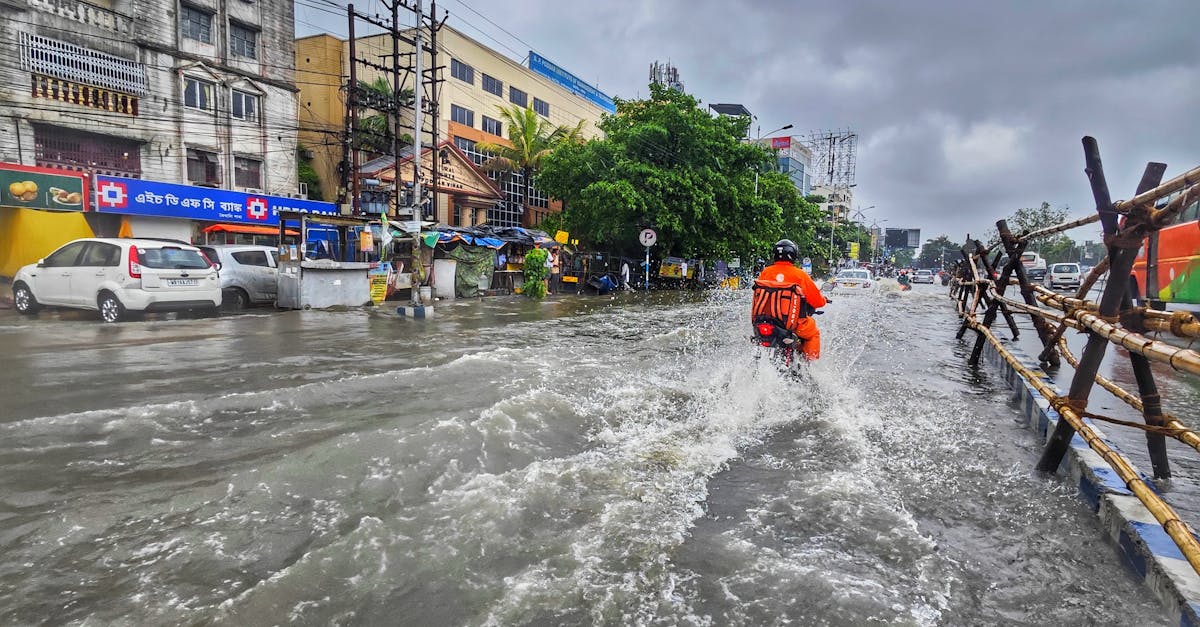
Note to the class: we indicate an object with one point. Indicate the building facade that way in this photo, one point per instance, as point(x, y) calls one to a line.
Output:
point(193, 92)
point(478, 82)
point(793, 159)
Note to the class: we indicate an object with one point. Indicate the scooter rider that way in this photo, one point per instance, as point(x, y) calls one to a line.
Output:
point(782, 277)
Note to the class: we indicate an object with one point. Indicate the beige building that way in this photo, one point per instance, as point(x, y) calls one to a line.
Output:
point(478, 82)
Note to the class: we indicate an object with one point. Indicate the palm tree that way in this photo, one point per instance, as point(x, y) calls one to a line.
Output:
point(375, 131)
point(532, 138)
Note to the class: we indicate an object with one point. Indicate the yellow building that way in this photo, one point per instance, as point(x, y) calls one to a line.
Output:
point(478, 82)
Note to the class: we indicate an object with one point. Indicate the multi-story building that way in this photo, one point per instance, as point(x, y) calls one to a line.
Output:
point(194, 92)
point(792, 159)
point(478, 82)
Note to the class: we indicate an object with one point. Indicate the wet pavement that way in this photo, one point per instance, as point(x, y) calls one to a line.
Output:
point(584, 460)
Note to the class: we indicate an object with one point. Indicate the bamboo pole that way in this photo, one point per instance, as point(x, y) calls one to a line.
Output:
point(1162, 512)
point(1187, 179)
point(1058, 228)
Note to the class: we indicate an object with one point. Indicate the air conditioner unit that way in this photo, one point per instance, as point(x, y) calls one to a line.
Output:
point(299, 196)
point(303, 191)
point(252, 190)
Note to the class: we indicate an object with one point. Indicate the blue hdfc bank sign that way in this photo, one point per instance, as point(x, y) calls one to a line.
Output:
point(569, 81)
point(167, 200)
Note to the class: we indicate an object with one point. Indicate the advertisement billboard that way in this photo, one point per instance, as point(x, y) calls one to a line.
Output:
point(29, 187)
point(570, 82)
point(167, 200)
point(781, 142)
point(902, 238)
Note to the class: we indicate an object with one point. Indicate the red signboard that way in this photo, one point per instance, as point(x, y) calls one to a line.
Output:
point(30, 187)
point(781, 142)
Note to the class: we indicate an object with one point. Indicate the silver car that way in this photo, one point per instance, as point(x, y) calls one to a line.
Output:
point(248, 272)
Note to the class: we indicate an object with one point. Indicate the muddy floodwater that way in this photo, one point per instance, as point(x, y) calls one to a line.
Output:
point(579, 461)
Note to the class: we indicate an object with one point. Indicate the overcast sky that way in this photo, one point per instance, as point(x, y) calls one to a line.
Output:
point(965, 110)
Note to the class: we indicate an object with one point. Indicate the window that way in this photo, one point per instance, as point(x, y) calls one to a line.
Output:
point(172, 257)
point(242, 41)
point(518, 97)
point(66, 256)
point(462, 116)
point(195, 24)
point(541, 107)
point(245, 106)
point(203, 167)
point(462, 71)
point(252, 258)
point(247, 172)
point(493, 85)
point(101, 254)
point(491, 126)
point(197, 94)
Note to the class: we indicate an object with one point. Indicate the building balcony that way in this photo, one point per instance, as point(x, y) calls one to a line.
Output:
point(86, 13)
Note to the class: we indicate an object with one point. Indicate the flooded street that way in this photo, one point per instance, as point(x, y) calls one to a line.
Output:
point(585, 460)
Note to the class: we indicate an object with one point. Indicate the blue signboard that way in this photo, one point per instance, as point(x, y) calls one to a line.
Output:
point(570, 82)
point(149, 198)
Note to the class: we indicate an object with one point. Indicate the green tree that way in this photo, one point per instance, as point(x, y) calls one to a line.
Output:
point(532, 137)
point(937, 250)
point(1054, 248)
point(666, 163)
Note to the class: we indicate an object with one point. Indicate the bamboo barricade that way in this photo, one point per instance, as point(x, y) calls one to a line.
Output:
point(1112, 320)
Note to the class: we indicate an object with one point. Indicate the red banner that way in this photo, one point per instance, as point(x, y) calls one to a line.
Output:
point(781, 142)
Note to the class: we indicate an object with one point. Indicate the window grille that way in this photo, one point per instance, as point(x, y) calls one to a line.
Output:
point(195, 24)
point(203, 167)
point(67, 149)
point(247, 172)
point(243, 41)
point(58, 59)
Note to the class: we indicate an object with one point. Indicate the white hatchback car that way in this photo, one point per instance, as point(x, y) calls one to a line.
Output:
point(119, 275)
point(850, 281)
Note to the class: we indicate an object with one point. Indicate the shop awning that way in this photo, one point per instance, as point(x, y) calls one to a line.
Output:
point(247, 229)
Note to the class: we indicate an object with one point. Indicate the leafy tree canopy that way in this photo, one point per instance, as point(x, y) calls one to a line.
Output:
point(939, 250)
point(667, 164)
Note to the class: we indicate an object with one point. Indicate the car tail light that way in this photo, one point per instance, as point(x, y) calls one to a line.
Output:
point(135, 268)
point(867, 284)
point(765, 329)
point(207, 260)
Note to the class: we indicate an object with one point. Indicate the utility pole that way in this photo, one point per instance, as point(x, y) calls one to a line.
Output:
point(416, 160)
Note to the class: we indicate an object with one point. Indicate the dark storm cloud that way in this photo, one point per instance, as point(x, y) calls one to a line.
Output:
point(966, 110)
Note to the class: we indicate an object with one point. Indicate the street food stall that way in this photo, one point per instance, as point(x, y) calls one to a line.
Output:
point(329, 274)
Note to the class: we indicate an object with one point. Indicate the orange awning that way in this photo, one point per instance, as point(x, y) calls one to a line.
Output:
point(247, 229)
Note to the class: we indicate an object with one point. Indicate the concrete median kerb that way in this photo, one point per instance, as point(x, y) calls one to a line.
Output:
point(1148, 551)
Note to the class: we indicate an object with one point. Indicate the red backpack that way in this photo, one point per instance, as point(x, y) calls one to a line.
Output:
point(778, 303)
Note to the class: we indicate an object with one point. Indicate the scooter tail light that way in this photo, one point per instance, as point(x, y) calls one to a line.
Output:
point(135, 268)
point(765, 329)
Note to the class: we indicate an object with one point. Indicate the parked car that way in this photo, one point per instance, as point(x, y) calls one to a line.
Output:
point(923, 276)
point(1064, 275)
point(248, 272)
point(117, 275)
point(850, 281)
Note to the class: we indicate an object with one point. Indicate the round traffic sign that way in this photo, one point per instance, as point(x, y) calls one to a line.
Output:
point(648, 237)
point(807, 261)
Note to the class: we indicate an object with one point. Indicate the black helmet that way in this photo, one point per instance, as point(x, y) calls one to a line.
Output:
point(785, 250)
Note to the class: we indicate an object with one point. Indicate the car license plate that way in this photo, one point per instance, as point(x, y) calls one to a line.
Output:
point(183, 282)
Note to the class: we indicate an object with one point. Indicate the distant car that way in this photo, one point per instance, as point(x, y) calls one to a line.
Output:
point(1064, 275)
point(118, 275)
point(850, 281)
point(923, 276)
point(248, 272)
